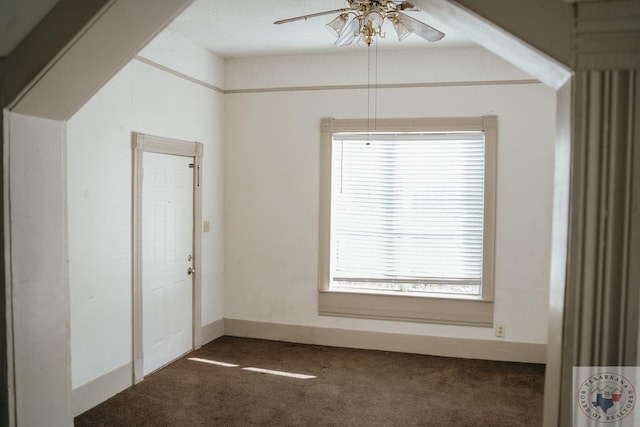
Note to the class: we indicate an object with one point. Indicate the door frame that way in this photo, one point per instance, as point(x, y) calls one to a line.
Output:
point(142, 143)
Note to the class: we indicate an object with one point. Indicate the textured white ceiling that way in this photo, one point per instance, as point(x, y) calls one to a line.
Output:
point(244, 28)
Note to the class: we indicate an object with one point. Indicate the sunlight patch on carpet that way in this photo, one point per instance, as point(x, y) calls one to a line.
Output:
point(280, 373)
point(213, 362)
point(260, 370)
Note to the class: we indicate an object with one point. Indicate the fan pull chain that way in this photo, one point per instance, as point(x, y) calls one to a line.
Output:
point(368, 91)
point(375, 88)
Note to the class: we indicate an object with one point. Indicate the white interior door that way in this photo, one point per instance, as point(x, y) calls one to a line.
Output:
point(167, 242)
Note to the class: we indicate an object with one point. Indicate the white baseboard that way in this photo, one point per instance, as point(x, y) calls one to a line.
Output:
point(97, 391)
point(212, 331)
point(508, 351)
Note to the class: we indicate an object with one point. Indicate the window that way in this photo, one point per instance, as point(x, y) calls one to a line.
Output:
point(407, 219)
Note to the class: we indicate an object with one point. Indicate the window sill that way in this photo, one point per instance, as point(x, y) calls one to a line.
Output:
point(409, 308)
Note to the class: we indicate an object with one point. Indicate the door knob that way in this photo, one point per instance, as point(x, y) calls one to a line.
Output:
point(191, 270)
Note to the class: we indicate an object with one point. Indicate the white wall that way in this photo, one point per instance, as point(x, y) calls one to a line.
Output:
point(39, 275)
point(272, 184)
point(174, 51)
point(261, 191)
point(401, 66)
point(140, 98)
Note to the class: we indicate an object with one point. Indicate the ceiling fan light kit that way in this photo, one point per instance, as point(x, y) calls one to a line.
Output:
point(336, 26)
point(367, 19)
point(402, 29)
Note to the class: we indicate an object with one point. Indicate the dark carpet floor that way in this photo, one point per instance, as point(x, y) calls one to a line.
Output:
point(351, 388)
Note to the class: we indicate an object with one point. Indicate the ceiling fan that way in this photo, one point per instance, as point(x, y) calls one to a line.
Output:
point(364, 18)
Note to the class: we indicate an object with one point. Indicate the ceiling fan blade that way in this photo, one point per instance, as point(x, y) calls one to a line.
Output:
point(312, 15)
point(348, 35)
point(421, 29)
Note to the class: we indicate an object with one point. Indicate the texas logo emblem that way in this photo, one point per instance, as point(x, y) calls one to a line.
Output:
point(604, 396)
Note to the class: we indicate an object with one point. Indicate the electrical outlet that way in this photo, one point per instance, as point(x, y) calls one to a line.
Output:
point(501, 330)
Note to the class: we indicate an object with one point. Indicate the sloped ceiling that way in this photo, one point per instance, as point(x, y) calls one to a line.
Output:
point(233, 28)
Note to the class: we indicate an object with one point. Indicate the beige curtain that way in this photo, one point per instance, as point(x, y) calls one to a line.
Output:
point(603, 276)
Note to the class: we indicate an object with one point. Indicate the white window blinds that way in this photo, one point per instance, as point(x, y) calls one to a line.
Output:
point(407, 212)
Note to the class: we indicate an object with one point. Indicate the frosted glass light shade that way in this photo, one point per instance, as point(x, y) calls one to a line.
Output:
point(336, 26)
point(402, 30)
point(375, 18)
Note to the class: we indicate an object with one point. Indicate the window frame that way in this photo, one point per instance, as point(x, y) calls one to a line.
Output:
point(447, 308)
